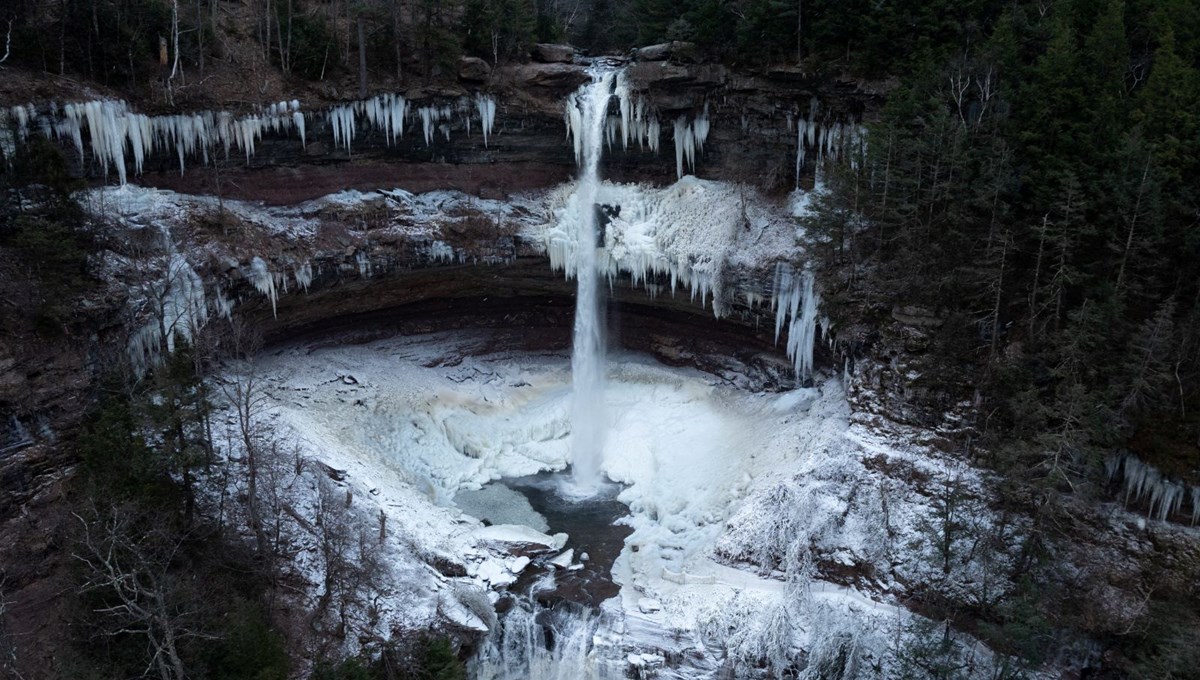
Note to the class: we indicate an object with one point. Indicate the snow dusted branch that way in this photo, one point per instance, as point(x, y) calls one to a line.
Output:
point(132, 568)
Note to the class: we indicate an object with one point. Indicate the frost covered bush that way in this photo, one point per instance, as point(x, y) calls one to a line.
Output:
point(826, 511)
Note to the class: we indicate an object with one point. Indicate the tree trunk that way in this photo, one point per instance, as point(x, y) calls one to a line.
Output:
point(1133, 220)
point(799, 32)
point(200, 37)
point(396, 39)
point(362, 59)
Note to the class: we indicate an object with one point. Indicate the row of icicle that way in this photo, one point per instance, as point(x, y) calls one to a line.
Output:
point(1143, 481)
point(796, 302)
point(117, 134)
point(638, 124)
point(179, 305)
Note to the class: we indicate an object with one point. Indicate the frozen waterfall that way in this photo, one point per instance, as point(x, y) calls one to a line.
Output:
point(796, 302)
point(587, 110)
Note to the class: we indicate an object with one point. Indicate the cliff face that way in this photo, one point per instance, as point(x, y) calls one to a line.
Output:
point(752, 120)
point(376, 267)
point(752, 138)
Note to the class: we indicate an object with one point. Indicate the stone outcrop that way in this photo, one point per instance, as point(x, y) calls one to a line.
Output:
point(553, 54)
point(675, 51)
point(474, 70)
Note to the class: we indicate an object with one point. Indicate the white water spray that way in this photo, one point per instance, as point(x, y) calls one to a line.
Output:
point(587, 109)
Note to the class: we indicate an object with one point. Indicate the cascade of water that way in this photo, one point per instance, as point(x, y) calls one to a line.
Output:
point(588, 111)
point(548, 644)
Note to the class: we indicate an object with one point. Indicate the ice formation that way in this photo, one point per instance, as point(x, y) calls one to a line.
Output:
point(637, 122)
point(690, 136)
point(264, 281)
point(177, 309)
point(487, 115)
point(687, 234)
point(1143, 481)
point(710, 474)
point(117, 135)
point(304, 275)
point(341, 119)
point(827, 139)
point(795, 302)
point(554, 645)
point(386, 112)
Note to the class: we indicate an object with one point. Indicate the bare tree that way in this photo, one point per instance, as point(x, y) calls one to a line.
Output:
point(128, 564)
point(350, 551)
point(241, 390)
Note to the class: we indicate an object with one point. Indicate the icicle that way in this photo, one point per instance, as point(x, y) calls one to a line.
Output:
point(264, 281)
point(795, 299)
point(653, 134)
point(701, 129)
point(685, 146)
point(625, 101)
point(304, 276)
point(429, 115)
point(487, 115)
point(440, 251)
point(298, 121)
point(342, 120)
point(573, 117)
point(181, 311)
point(1142, 480)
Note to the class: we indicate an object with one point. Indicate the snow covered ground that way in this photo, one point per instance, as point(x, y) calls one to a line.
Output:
point(735, 498)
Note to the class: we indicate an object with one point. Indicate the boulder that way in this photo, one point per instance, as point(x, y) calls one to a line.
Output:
point(658, 75)
point(473, 69)
point(553, 54)
point(675, 51)
point(552, 76)
point(659, 52)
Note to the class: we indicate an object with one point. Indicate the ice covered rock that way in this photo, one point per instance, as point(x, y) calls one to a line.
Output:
point(563, 560)
point(515, 534)
point(649, 605)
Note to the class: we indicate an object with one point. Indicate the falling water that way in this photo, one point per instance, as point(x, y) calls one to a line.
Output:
point(566, 642)
point(587, 110)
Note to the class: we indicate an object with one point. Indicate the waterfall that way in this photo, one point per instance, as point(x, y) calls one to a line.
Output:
point(587, 110)
point(566, 642)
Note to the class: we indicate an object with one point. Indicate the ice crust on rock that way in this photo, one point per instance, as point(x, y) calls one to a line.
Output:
point(683, 235)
